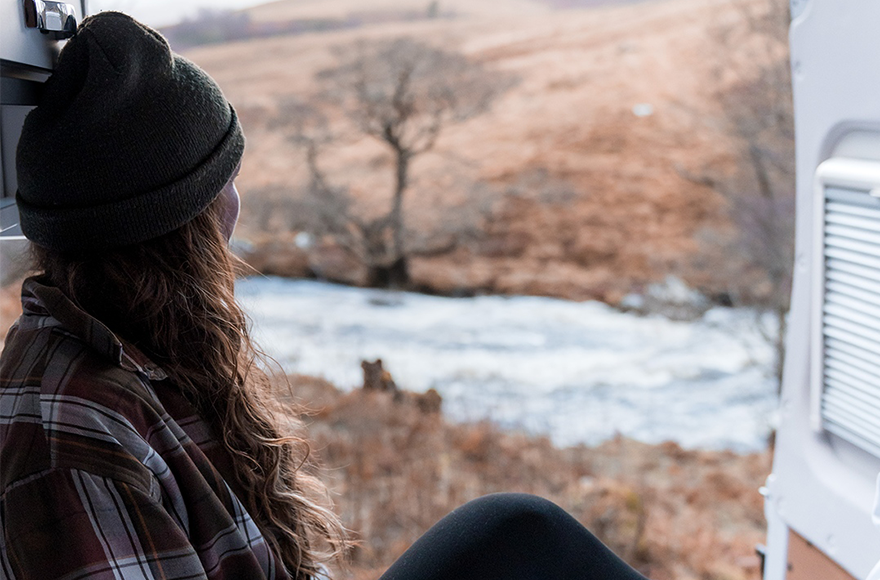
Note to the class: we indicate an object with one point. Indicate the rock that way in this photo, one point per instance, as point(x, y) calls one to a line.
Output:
point(671, 298)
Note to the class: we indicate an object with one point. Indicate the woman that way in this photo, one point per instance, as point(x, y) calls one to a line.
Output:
point(137, 438)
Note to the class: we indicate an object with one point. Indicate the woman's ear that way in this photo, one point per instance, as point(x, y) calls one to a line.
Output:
point(231, 208)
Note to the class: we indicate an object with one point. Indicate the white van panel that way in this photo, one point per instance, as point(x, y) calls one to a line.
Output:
point(827, 454)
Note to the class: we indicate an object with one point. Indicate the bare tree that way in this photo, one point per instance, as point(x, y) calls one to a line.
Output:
point(753, 70)
point(327, 208)
point(402, 93)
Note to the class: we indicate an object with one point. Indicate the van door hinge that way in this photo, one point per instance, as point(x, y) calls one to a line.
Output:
point(57, 18)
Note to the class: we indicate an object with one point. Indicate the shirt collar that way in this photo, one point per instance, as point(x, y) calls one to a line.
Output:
point(41, 300)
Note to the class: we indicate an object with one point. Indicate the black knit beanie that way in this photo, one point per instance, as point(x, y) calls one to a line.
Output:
point(129, 141)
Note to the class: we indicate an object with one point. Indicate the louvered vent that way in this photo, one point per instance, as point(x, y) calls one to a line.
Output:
point(850, 405)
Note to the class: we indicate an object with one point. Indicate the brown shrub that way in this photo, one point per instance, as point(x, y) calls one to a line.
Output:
point(672, 513)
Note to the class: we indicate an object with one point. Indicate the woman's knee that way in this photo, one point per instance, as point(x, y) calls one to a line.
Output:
point(514, 511)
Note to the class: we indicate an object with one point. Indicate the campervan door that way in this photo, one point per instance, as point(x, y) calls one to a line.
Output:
point(820, 495)
point(31, 33)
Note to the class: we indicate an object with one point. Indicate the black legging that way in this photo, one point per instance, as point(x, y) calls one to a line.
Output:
point(509, 536)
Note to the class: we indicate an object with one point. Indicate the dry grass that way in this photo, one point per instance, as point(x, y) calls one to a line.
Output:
point(396, 470)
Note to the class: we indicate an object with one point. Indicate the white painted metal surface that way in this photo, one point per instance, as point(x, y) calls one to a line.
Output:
point(23, 45)
point(828, 442)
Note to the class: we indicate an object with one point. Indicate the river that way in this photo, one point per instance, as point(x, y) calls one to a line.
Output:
point(579, 372)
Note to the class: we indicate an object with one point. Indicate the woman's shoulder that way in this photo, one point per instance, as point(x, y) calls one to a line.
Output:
point(66, 367)
point(64, 404)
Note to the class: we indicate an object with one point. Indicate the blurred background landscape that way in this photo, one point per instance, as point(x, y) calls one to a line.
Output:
point(564, 226)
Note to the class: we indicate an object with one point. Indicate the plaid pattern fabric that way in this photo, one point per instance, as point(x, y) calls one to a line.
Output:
point(106, 471)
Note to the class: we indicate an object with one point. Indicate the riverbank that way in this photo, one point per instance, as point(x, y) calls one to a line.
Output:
point(396, 467)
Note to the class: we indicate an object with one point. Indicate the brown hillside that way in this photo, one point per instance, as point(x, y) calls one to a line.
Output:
point(626, 216)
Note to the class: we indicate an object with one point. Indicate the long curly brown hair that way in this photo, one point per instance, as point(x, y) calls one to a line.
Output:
point(173, 298)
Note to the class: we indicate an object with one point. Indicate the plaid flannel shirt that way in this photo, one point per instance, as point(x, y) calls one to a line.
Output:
point(106, 471)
